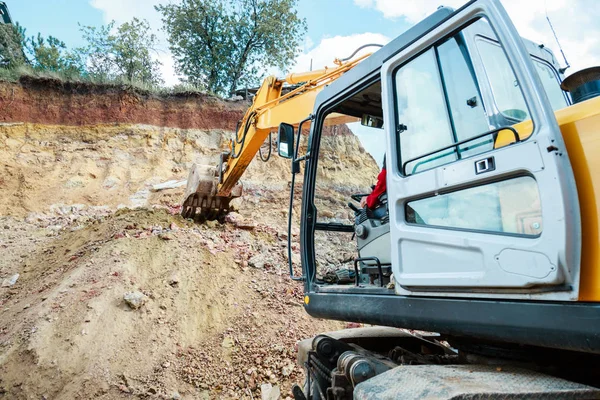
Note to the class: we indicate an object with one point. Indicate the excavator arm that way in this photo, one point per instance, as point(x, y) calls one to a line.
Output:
point(210, 190)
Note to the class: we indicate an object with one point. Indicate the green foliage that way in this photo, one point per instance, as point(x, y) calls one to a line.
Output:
point(98, 52)
point(222, 44)
point(132, 52)
point(51, 55)
point(122, 55)
point(12, 43)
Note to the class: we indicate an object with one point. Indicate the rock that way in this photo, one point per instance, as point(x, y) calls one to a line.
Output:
point(326, 214)
point(110, 182)
point(134, 299)
point(287, 370)
point(166, 236)
point(169, 185)
point(174, 279)
point(73, 183)
point(124, 389)
point(259, 261)
point(175, 396)
point(269, 392)
point(166, 364)
point(10, 281)
point(228, 342)
point(239, 221)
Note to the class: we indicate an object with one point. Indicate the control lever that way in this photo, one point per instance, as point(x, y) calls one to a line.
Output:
point(354, 208)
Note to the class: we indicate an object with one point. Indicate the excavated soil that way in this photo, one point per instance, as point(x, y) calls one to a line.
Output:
point(51, 101)
point(81, 225)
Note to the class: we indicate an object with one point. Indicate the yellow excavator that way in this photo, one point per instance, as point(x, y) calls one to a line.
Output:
point(485, 245)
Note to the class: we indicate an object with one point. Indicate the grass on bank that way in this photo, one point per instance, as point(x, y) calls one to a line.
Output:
point(24, 71)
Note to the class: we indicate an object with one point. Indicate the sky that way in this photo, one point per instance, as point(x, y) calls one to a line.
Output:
point(335, 27)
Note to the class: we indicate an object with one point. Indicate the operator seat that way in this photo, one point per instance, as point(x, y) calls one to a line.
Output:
point(372, 230)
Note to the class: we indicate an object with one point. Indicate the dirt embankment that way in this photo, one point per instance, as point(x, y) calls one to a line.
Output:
point(53, 102)
point(81, 226)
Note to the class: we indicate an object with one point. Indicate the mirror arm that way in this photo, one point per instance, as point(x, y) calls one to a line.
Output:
point(295, 170)
point(295, 159)
point(295, 167)
point(309, 118)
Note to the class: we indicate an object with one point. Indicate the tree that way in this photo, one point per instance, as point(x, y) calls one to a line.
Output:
point(51, 55)
point(12, 44)
point(124, 54)
point(221, 44)
point(97, 55)
point(132, 47)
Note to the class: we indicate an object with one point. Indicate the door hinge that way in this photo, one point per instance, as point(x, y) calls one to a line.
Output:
point(401, 128)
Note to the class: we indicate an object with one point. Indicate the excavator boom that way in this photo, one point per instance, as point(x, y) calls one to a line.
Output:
point(210, 189)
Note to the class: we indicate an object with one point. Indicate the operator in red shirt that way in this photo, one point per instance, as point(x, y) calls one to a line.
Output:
point(372, 201)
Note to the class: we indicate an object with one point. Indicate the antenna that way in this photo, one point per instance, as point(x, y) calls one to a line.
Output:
point(561, 70)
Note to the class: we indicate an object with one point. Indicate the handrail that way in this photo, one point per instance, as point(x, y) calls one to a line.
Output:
point(455, 145)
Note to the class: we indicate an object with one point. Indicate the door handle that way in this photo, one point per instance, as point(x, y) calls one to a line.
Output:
point(485, 165)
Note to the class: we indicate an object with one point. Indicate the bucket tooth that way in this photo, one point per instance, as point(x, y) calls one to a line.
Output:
point(201, 199)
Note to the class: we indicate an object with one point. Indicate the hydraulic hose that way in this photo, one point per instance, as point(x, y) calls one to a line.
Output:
point(359, 49)
point(243, 141)
point(269, 154)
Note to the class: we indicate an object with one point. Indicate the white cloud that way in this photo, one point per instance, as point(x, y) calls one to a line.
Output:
point(337, 47)
point(575, 21)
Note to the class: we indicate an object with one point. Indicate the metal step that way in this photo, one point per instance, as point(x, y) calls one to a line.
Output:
point(481, 382)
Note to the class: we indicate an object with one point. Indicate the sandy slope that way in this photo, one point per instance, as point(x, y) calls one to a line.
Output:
point(221, 316)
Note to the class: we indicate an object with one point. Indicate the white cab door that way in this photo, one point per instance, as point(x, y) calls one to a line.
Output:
point(481, 215)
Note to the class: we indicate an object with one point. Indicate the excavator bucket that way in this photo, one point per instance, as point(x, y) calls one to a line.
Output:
point(201, 200)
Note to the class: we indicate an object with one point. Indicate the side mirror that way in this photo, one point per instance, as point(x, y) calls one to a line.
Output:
point(285, 140)
point(371, 121)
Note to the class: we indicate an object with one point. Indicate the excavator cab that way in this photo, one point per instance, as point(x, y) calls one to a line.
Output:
point(482, 218)
point(480, 239)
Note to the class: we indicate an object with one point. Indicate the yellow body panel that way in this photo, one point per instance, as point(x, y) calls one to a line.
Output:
point(580, 127)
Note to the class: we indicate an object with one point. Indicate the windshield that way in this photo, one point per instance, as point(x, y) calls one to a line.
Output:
point(372, 140)
point(551, 84)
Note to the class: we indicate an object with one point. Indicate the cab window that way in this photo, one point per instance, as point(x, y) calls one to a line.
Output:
point(425, 124)
point(439, 105)
point(551, 84)
point(504, 84)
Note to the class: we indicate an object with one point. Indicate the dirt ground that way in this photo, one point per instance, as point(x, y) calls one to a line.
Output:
point(81, 225)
